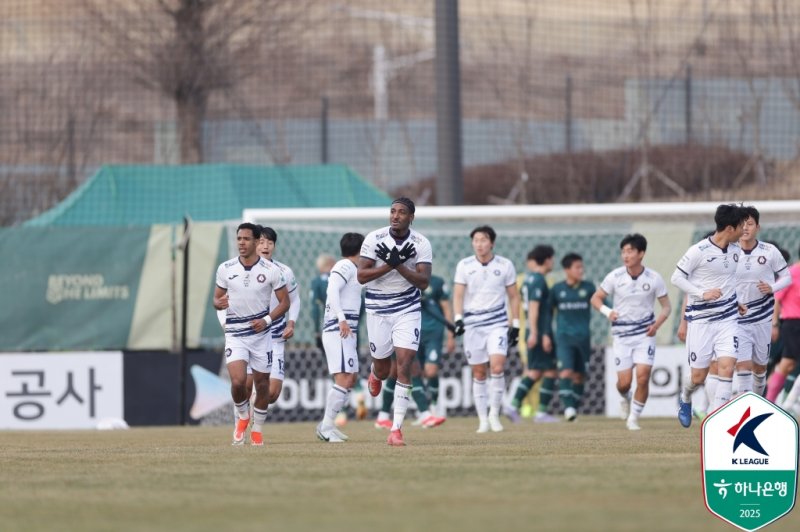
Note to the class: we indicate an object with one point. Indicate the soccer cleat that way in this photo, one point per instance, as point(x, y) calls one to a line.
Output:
point(625, 408)
point(699, 414)
point(570, 413)
point(684, 413)
point(330, 435)
point(511, 413)
point(374, 385)
point(494, 424)
point(395, 439)
point(239, 431)
point(483, 427)
point(544, 417)
point(256, 439)
point(339, 434)
point(341, 419)
point(632, 425)
point(432, 421)
point(383, 424)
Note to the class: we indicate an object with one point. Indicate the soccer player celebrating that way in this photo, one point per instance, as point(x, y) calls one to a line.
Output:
point(244, 286)
point(395, 265)
point(283, 327)
point(760, 273)
point(541, 358)
point(339, 333)
point(570, 299)
point(634, 290)
point(484, 286)
point(707, 275)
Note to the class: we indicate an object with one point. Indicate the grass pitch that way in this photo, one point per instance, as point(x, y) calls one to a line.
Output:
point(589, 475)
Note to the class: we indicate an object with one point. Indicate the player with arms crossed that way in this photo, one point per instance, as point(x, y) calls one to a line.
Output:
point(634, 290)
point(245, 285)
point(485, 285)
point(339, 333)
point(395, 265)
point(707, 275)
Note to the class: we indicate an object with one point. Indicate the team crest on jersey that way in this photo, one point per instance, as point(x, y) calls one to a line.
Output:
point(261, 278)
point(497, 272)
point(645, 287)
point(582, 293)
point(762, 259)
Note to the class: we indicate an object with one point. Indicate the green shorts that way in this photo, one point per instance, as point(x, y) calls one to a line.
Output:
point(573, 353)
point(538, 359)
point(430, 348)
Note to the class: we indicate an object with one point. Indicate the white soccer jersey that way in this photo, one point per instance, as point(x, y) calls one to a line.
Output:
point(279, 325)
point(485, 296)
point(344, 295)
point(707, 266)
point(249, 293)
point(634, 299)
point(762, 263)
point(392, 294)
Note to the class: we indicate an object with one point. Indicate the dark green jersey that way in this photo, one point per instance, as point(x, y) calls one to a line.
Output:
point(432, 316)
point(535, 289)
point(318, 296)
point(573, 311)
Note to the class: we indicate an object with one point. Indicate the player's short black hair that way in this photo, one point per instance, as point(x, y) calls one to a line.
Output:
point(484, 229)
point(753, 213)
point(635, 240)
point(350, 244)
point(270, 234)
point(730, 215)
point(256, 229)
point(407, 202)
point(541, 253)
point(569, 259)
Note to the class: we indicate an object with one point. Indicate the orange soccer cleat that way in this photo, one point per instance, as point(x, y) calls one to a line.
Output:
point(374, 385)
point(238, 432)
point(256, 438)
point(396, 439)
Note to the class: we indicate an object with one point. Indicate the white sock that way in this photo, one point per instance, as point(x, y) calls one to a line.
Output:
point(402, 394)
point(243, 409)
point(688, 390)
point(723, 394)
point(626, 395)
point(759, 383)
point(636, 410)
point(744, 382)
point(383, 416)
point(497, 387)
point(712, 381)
point(480, 395)
point(337, 397)
point(259, 417)
point(700, 399)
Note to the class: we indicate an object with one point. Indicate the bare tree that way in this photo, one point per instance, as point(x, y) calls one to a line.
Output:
point(187, 50)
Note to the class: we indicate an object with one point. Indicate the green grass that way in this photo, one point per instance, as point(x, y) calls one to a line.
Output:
point(590, 475)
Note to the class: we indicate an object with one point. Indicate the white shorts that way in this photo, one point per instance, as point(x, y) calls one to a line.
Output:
point(342, 353)
point(387, 332)
point(754, 342)
point(277, 372)
point(480, 342)
point(255, 350)
point(628, 354)
point(708, 341)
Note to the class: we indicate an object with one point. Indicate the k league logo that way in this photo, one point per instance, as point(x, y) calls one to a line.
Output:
point(749, 459)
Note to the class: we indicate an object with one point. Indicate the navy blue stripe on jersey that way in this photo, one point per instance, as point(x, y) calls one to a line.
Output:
point(648, 320)
point(245, 319)
point(763, 314)
point(339, 274)
point(409, 303)
point(723, 315)
point(379, 297)
point(711, 304)
point(760, 302)
point(637, 331)
point(247, 332)
point(501, 307)
point(681, 269)
point(333, 323)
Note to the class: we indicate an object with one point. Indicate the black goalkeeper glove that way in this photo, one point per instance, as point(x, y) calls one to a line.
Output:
point(407, 251)
point(459, 328)
point(394, 259)
point(382, 252)
point(513, 336)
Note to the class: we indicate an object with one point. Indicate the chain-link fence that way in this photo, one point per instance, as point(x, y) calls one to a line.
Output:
point(567, 100)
